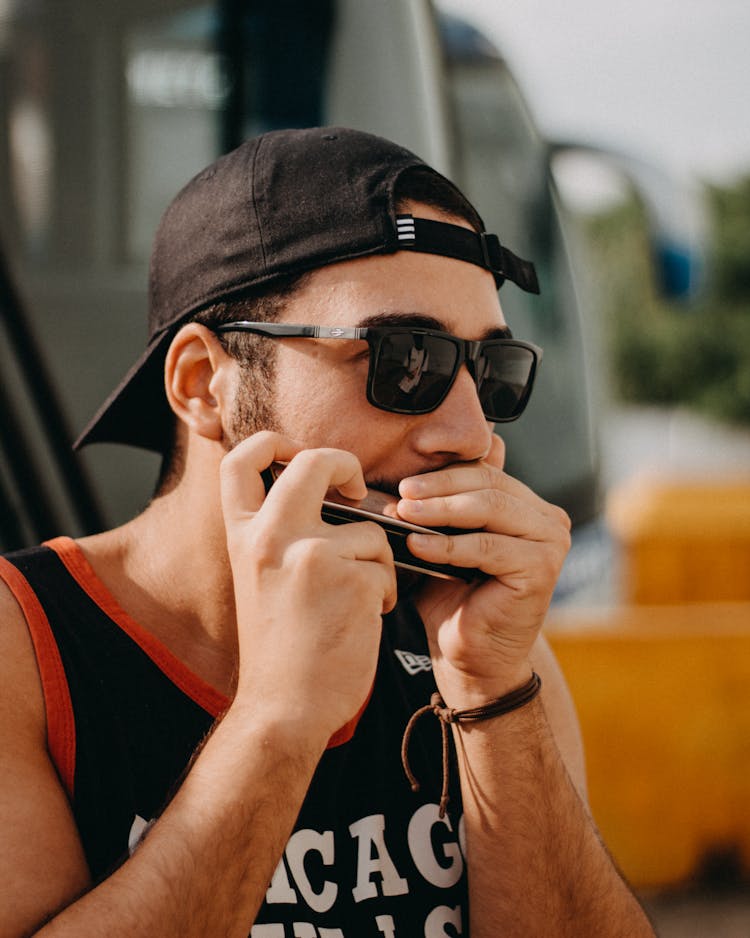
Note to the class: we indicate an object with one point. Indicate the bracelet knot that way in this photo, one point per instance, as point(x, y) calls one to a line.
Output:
point(447, 715)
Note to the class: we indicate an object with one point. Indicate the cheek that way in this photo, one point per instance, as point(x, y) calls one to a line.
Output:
point(320, 404)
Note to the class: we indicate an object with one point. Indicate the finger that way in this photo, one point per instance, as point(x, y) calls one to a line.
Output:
point(502, 556)
point(491, 509)
point(366, 542)
point(468, 477)
point(297, 495)
point(384, 575)
point(242, 489)
point(389, 587)
point(362, 540)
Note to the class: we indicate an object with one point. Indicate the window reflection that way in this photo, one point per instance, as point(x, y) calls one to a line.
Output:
point(30, 142)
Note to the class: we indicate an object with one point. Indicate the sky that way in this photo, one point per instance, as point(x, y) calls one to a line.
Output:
point(667, 80)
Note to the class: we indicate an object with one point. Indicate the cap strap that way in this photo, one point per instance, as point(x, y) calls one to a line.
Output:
point(482, 249)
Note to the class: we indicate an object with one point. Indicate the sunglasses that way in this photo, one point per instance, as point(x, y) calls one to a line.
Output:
point(412, 369)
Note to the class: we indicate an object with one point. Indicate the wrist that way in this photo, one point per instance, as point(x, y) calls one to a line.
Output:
point(462, 691)
point(292, 728)
point(498, 706)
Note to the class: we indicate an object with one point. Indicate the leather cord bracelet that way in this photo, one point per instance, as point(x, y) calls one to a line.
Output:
point(446, 715)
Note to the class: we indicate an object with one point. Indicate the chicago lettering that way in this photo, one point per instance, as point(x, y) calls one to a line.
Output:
point(376, 873)
point(437, 852)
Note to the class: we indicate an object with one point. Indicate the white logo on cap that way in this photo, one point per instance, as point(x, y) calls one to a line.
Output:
point(405, 228)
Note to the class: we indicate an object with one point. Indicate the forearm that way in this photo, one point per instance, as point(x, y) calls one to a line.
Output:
point(205, 865)
point(536, 864)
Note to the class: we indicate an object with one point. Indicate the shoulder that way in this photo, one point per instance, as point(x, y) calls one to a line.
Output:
point(40, 853)
point(21, 698)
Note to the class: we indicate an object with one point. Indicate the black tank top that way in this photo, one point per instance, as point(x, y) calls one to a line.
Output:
point(368, 857)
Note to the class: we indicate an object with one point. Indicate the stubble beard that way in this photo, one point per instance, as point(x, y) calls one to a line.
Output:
point(255, 409)
point(254, 405)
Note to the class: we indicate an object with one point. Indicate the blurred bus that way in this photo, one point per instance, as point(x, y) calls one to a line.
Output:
point(107, 108)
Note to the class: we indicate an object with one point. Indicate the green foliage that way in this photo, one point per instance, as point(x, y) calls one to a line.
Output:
point(667, 353)
point(731, 210)
point(702, 360)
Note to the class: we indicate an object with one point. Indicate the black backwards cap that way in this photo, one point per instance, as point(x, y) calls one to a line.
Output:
point(281, 204)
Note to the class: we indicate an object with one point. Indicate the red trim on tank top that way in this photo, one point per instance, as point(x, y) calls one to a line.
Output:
point(61, 732)
point(345, 733)
point(206, 696)
point(188, 682)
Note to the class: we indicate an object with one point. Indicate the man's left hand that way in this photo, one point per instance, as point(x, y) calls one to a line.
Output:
point(481, 633)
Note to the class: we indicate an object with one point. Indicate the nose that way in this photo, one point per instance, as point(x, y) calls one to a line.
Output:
point(458, 427)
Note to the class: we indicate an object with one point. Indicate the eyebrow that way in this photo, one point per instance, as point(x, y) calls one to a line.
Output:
point(421, 321)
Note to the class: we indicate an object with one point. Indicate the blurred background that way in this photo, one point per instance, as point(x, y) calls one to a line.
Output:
point(606, 142)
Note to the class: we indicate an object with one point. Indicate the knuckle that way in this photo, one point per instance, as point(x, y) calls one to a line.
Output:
point(445, 504)
point(450, 478)
point(265, 547)
point(265, 437)
point(260, 446)
point(311, 459)
point(498, 500)
point(486, 543)
point(308, 554)
point(562, 517)
point(373, 532)
point(448, 544)
point(525, 589)
point(563, 533)
point(550, 562)
point(326, 460)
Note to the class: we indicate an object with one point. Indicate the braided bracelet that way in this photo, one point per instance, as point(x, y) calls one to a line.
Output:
point(495, 708)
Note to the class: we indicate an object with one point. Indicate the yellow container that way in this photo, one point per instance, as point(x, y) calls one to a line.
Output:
point(663, 695)
point(682, 541)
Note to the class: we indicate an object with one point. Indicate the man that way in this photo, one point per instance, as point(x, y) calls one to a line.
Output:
point(203, 710)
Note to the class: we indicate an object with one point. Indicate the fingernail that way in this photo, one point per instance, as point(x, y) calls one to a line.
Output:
point(413, 485)
point(420, 540)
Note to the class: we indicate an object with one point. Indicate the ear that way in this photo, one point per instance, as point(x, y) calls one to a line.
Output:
point(199, 379)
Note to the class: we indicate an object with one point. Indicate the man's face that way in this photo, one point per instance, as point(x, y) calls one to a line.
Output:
point(318, 389)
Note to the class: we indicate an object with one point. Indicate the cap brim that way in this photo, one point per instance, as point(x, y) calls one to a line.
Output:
point(137, 412)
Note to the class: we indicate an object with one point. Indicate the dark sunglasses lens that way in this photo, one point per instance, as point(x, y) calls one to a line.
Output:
point(413, 372)
point(503, 374)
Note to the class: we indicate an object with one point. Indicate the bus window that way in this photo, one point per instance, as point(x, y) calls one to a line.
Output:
point(201, 80)
point(175, 89)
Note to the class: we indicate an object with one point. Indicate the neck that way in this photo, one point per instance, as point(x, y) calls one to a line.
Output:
point(169, 569)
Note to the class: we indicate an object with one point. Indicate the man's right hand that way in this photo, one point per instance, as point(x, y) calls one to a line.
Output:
point(309, 595)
